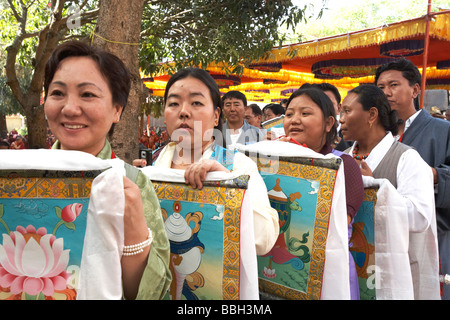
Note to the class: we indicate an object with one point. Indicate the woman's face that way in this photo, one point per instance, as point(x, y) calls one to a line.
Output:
point(304, 122)
point(353, 118)
point(268, 114)
point(190, 115)
point(79, 106)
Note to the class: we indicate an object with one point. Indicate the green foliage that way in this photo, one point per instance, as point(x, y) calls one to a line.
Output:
point(8, 102)
point(152, 106)
point(190, 33)
point(22, 22)
point(38, 16)
point(355, 15)
point(197, 33)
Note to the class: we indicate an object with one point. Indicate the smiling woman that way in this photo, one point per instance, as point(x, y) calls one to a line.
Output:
point(86, 90)
point(80, 113)
point(82, 86)
point(310, 119)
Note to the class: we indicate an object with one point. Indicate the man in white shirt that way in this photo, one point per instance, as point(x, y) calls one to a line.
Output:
point(236, 130)
point(400, 80)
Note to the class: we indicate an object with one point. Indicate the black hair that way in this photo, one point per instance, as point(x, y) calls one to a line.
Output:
point(4, 143)
point(371, 96)
point(276, 108)
point(111, 67)
point(208, 80)
point(255, 109)
point(409, 71)
point(236, 95)
point(324, 103)
point(325, 86)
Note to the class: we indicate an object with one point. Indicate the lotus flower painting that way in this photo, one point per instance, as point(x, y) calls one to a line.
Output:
point(42, 228)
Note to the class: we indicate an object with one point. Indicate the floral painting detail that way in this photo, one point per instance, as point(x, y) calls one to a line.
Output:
point(71, 212)
point(33, 262)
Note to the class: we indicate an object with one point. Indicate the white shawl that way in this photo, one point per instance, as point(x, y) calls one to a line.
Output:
point(100, 270)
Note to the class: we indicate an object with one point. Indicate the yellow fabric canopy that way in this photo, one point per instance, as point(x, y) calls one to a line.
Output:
point(296, 60)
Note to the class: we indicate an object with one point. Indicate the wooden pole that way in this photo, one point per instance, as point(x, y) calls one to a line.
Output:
point(425, 55)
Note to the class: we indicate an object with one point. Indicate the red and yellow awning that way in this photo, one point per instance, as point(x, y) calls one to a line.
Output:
point(349, 60)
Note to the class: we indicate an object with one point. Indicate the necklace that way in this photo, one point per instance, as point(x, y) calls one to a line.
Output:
point(357, 157)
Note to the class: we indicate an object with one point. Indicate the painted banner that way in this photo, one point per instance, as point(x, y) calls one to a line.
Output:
point(275, 125)
point(203, 227)
point(301, 189)
point(362, 244)
point(43, 218)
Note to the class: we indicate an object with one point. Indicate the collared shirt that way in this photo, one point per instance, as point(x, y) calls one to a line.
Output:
point(414, 182)
point(248, 135)
point(104, 154)
point(408, 123)
point(234, 137)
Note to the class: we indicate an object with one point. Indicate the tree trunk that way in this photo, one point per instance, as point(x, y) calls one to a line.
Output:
point(30, 102)
point(119, 23)
point(34, 114)
point(3, 127)
point(30, 99)
point(37, 127)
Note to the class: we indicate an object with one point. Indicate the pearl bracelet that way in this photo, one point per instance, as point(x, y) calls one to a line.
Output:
point(134, 249)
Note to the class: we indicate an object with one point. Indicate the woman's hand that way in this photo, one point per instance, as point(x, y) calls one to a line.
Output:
point(435, 175)
point(196, 173)
point(135, 226)
point(285, 139)
point(269, 136)
point(140, 163)
point(365, 170)
point(135, 231)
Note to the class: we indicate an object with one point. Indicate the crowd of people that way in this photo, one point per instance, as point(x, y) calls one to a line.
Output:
point(13, 140)
point(376, 130)
point(155, 138)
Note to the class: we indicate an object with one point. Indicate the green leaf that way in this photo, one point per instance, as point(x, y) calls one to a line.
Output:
point(70, 225)
point(58, 211)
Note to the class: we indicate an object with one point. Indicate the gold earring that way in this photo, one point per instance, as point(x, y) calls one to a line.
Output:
point(370, 125)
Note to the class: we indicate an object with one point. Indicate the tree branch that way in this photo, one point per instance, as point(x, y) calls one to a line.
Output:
point(13, 9)
point(12, 52)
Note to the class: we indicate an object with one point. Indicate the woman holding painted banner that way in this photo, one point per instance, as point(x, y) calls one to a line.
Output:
point(310, 120)
point(367, 118)
point(86, 90)
point(193, 118)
